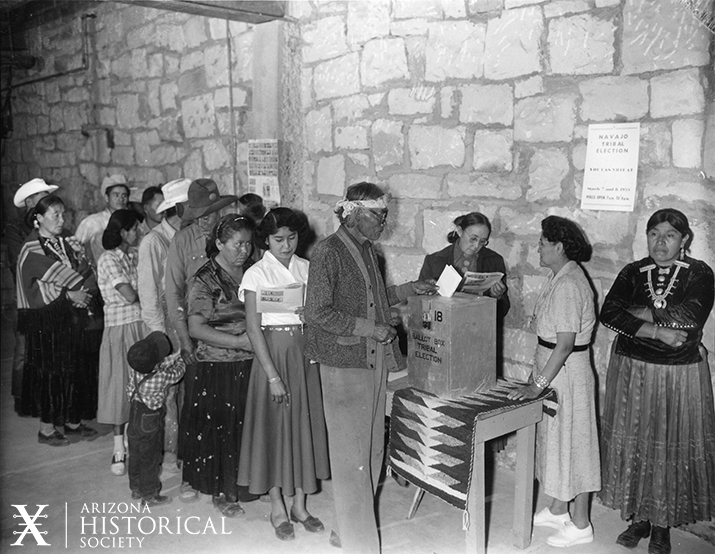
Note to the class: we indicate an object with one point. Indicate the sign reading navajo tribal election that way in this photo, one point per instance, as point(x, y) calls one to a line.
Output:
point(611, 172)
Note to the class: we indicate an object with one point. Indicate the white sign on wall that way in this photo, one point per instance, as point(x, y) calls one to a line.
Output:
point(263, 171)
point(611, 172)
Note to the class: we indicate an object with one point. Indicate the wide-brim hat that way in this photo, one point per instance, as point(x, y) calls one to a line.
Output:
point(204, 199)
point(146, 353)
point(112, 181)
point(30, 188)
point(174, 192)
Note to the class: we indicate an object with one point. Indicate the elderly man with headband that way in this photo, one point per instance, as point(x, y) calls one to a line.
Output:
point(351, 334)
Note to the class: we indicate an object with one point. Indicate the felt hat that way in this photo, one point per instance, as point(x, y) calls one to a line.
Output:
point(174, 192)
point(30, 188)
point(146, 353)
point(204, 199)
point(112, 181)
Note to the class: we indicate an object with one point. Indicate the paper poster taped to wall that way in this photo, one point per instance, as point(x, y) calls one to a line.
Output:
point(611, 172)
point(263, 170)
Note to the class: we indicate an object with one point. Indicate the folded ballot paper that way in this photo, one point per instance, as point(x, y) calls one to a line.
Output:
point(284, 299)
point(472, 283)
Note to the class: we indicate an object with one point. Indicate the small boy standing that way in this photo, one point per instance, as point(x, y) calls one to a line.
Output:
point(155, 369)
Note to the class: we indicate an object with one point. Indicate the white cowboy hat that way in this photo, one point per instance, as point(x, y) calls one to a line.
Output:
point(174, 192)
point(30, 188)
point(112, 181)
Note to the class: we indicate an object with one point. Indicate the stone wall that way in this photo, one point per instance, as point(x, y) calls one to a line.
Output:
point(165, 95)
point(456, 106)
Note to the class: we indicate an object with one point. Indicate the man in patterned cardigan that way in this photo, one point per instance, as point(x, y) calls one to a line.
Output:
point(351, 334)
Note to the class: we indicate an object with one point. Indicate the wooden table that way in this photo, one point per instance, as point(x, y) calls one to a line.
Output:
point(521, 418)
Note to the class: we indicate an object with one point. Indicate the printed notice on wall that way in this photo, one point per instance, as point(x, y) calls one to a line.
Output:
point(263, 171)
point(611, 172)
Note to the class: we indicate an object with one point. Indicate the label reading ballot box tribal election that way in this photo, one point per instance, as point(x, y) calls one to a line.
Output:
point(451, 349)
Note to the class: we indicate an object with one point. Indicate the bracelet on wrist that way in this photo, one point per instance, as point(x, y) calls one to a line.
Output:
point(275, 379)
point(541, 382)
point(654, 333)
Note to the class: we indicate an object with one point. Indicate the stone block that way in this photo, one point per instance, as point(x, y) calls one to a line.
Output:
point(168, 36)
point(547, 169)
point(191, 83)
point(243, 60)
point(677, 93)
point(338, 77)
point(493, 150)
point(195, 31)
point(306, 89)
point(661, 35)
point(168, 96)
point(512, 44)
point(350, 109)
point(217, 28)
point(655, 144)
point(433, 146)
point(123, 155)
point(529, 87)
point(545, 118)
point(198, 116)
point(607, 3)
point(71, 142)
point(709, 143)
point(164, 155)
point(581, 45)
point(564, 7)
point(436, 225)
point(415, 185)
point(352, 137)
point(487, 104)
point(139, 67)
point(128, 111)
point(152, 98)
point(614, 99)
point(688, 142)
point(388, 143)
point(496, 186)
point(144, 141)
point(76, 94)
point(169, 130)
point(408, 27)
point(604, 227)
point(216, 65)
point(695, 193)
point(215, 154)
point(406, 9)
point(331, 175)
point(447, 102)
point(324, 39)
point(578, 155)
point(318, 130)
point(383, 60)
point(484, 6)
point(367, 20)
point(411, 101)
point(531, 287)
point(194, 165)
point(455, 49)
point(520, 344)
point(400, 229)
point(360, 160)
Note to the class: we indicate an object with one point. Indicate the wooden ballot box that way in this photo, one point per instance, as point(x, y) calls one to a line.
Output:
point(451, 348)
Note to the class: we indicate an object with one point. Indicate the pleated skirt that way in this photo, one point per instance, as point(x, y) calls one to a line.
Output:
point(113, 402)
point(659, 441)
point(285, 445)
point(211, 426)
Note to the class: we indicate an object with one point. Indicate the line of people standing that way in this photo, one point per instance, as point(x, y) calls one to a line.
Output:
point(240, 359)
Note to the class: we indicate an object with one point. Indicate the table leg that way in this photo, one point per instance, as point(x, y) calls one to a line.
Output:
point(524, 490)
point(476, 537)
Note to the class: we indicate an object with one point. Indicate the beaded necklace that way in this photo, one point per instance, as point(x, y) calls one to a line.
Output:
point(57, 246)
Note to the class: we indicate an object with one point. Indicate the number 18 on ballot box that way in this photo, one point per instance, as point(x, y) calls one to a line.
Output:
point(451, 348)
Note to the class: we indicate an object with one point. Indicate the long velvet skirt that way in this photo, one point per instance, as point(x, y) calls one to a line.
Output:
point(658, 438)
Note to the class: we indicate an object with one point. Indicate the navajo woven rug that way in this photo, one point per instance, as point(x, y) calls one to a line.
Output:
point(431, 438)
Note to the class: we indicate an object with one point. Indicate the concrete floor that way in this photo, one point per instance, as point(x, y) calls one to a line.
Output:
point(76, 485)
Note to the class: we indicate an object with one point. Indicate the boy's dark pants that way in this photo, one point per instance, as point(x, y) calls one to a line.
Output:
point(146, 442)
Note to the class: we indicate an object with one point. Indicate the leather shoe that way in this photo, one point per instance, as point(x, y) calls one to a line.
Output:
point(284, 531)
point(659, 540)
point(54, 439)
point(156, 500)
point(311, 523)
point(82, 431)
point(635, 532)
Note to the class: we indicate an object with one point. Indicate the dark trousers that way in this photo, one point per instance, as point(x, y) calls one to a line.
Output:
point(146, 442)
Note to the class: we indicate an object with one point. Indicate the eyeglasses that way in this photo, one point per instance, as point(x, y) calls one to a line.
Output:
point(381, 216)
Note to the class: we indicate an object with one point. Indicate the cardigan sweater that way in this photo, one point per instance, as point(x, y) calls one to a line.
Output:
point(488, 261)
point(340, 311)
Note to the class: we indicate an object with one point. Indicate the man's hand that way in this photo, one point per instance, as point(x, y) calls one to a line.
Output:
point(384, 333)
point(428, 287)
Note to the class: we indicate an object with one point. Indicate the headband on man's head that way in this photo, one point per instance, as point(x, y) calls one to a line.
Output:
point(349, 205)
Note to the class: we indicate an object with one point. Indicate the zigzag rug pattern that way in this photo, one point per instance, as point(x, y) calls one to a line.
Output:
point(431, 438)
